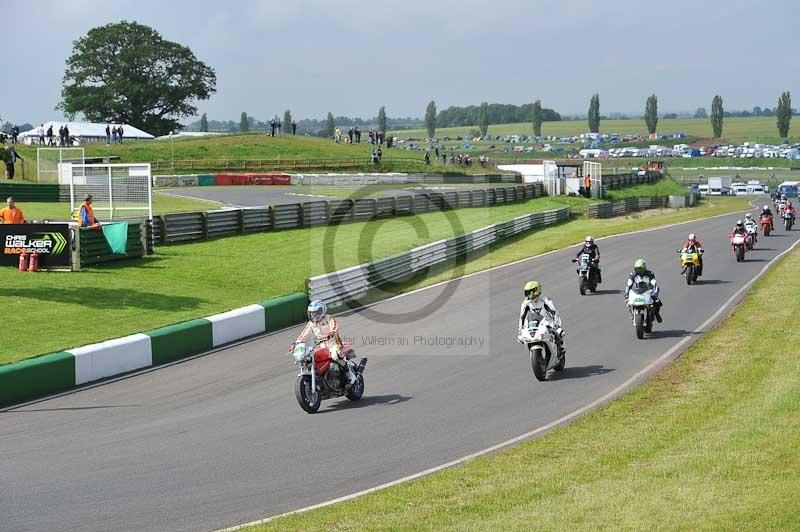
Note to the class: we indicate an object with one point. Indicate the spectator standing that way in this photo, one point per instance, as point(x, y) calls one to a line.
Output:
point(66, 135)
point(14, 134)
point(11, 214)
point(108, 135)
point(587, 185)
point(119, 133)
point(357, 133)
point(10, 157)
point(294, 127)
point(427, 158)
point(280, 125)
point(350, 135)
point(50, 135)
point(61, 136)
point(114, 134)
point(40, 131)
point(272, 127)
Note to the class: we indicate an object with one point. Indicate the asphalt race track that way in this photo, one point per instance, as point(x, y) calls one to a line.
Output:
point(258, 196)
point(219, 440)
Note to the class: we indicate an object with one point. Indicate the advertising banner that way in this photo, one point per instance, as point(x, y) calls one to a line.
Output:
point(50, 241)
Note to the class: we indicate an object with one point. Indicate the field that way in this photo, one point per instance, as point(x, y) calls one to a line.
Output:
point(711, 443)
point(736, 130)
point(187, 281)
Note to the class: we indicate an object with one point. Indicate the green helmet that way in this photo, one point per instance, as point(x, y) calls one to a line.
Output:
point(640, 266)
point(532, 289)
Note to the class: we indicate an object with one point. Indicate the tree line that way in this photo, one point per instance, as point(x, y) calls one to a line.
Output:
point(493, 113)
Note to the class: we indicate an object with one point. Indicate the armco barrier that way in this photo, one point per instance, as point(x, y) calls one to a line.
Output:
point(35, 377)
point(619, 208)
point(30, 192)
point(94, 247)
point(337, 288)
point(193, 226)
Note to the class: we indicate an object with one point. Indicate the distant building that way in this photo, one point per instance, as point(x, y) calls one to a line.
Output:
point(84, 133)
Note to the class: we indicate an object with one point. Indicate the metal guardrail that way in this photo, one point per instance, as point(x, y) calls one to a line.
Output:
point(618, 208)
point(194, 226)
point(611, 182)
point(349, 284)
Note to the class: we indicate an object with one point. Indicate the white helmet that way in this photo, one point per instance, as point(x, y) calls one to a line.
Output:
point(317, 310)
point(748, 215)
point(766, 207)
point(589, 240)
point(692, 237)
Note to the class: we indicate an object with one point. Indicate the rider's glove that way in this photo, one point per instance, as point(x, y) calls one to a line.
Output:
point(560, 332)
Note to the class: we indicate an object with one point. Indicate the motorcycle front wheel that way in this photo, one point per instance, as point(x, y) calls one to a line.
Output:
point(308, 399)
point(582, 285)
point(740, 254)
point(689, 274)
point(356, 391)
point(539, 364)
point(639, 320)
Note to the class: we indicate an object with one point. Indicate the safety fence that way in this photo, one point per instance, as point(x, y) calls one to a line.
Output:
point(193, 226)
point(94, 248)
point(350, 284)
point(29, 192)
point(619, 208)
point(611, 182)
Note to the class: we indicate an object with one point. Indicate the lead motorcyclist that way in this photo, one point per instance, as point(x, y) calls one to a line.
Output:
point(536, 303)
point(692, 243)
point(325, 328)
point(640, 269)
point(766, 211)
point(739, 229)
point(594, 252)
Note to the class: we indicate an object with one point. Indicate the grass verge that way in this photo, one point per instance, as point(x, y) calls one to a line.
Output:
point(664, 187)
point(710, 443)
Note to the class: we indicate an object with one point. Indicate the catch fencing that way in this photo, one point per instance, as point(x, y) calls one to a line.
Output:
point(350, 284)
point(194, 226)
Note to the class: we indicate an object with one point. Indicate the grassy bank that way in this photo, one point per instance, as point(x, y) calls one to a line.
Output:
point(665, 187)
point(711, 443)
point(187, 281)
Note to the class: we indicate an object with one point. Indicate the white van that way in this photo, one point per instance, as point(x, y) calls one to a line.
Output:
point(703, 189)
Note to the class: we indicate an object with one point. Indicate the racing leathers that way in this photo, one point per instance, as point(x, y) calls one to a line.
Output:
point(327, 331)
point(543, 306)
point(594, 253)
point(650, 278)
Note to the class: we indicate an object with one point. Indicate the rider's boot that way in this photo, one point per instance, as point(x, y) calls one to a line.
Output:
point(348, 369)
point(599, 276)
point(657, 310)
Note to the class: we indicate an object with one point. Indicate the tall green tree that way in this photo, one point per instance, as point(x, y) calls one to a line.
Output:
point(717, 114)
point(287, 121)
point(483, 118)
point(128, 73)
point(594, 114)
point(204, 123)
point(783, 112)
point(382, 119)
point(330, 126)
point(651, 113)
point(244, 123)
point(430, 119)
point(536, 118)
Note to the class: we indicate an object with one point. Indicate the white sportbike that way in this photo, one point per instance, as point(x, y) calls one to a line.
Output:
point(641, 304)
point(539, 336)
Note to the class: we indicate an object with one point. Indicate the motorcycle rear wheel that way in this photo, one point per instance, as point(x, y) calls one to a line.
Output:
point(356, 391)
point(539, 364)
point(766, 230)
point(308, 399)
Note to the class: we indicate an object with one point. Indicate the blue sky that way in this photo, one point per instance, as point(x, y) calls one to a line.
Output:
point(350, 57)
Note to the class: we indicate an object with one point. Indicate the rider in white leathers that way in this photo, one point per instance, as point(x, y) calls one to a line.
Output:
point(323, 327)
point(536, 303)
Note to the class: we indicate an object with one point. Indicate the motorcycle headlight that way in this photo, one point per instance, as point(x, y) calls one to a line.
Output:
point(299, 352)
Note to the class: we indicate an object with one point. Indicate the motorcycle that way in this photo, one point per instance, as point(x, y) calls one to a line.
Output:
point(788, 220)
point(587, 274)
point(765, 221)
point(752, 235)
point(540, 338)
point(641, 305)
point(690, 264)
point(738, 246)
point(321, 378)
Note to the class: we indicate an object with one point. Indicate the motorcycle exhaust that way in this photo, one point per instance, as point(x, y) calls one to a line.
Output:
point(361, 366)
